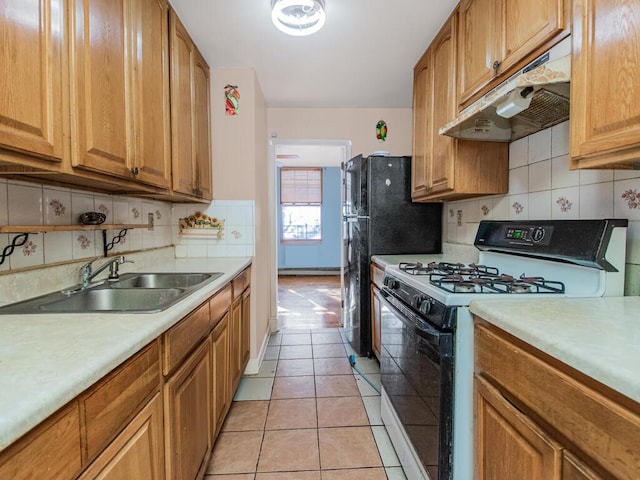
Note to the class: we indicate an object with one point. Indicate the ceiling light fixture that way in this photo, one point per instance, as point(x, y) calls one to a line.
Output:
point(298, 17)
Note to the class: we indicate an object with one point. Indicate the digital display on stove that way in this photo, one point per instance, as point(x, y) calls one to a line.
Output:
point(538, 235)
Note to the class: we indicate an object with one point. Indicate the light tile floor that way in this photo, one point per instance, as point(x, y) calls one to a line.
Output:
point(306, 415)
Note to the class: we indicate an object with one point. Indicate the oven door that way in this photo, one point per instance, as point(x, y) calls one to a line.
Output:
point(416, 367)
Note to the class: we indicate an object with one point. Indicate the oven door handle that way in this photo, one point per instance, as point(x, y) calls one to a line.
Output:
point(410, 319)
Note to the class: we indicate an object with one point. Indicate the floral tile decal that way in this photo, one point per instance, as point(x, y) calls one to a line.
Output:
point(103, 209)
point(136, 212)
point(158, 214)
point(632, 197)
point(29, 248)
point(83, 241)
point(451, 213)
point(236, 234)
point(485, 210)
point(565, 204)
point(518, 208)
point(57, 207)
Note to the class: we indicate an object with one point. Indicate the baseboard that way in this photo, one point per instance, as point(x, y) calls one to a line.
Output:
point(273, 324)
point(253, 365)
point(308, 271)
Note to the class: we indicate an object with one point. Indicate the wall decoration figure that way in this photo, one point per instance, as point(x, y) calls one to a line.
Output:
point(232, 99)
point(381, 130)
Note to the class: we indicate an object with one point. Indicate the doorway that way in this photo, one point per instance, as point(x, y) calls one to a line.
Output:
point(302, 263)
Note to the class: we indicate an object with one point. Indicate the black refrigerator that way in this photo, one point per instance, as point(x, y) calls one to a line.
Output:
point(379, 219)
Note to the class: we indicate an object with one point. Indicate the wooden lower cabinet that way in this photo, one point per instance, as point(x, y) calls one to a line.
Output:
point(137, 453)
point(187, 409)
point(221, 398)
point(246, 326)
point(235, 344)
point(51, 451)
point(537, 418)
point(376, 320)
point(509, 445)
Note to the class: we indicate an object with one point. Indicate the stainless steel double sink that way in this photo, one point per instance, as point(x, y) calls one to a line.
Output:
point(131, 293)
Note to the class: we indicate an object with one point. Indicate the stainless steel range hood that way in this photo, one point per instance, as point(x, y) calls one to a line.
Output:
point(535, 98)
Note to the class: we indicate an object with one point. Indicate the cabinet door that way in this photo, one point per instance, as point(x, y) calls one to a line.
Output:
point(203, 178)
point(509, 446)
point(101, 75)
point(32, 61)
point(220, 372)
point(441, 176)
point(376, 317)
point(235, 342)
point(183, 55)
point(187, 397)
point(605, 83)
point(151, 92)
point(51, 451)
point(422, 126)
point(246, 327)
point(137, 452)
point(526, 25)
point(477, 36)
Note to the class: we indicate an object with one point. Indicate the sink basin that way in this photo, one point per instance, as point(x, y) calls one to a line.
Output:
point(164, 280)
point(134, 292)
point(115, 300)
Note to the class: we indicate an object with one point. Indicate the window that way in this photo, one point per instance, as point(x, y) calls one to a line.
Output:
point(301, 204)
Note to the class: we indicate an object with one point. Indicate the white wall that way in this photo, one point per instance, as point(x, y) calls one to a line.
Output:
point(541, 186)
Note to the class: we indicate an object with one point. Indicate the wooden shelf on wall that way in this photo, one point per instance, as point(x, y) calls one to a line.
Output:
point(69, 228)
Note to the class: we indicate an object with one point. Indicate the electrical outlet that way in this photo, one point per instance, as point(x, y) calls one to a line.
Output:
point(459, 218)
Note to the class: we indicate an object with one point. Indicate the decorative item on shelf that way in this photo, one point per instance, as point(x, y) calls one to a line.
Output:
point(232, 99)
point(92, 218)
point(201, 225)
point(381, 131)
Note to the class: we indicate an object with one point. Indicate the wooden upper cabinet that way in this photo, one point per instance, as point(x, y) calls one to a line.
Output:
point(526, 25)
point(444, 108)
point(203, 174)
point(32, 63)
point(151, 91)
point(422, 129)
point(498, 36)
point(605, 84)
point(444, 167)
point(190, 120)
point(101, 103)
point(478, 20)
point(120, 89)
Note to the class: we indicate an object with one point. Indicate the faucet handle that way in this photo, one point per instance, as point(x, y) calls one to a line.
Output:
point(87, 269)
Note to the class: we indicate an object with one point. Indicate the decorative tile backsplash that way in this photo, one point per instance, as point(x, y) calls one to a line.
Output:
point(541, 186)
point(23, 203)
point(238, 239)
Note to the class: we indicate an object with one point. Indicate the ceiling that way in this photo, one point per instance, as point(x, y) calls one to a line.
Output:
point(363, 57)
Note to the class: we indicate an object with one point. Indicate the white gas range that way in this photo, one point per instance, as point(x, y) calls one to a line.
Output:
point(427, 330)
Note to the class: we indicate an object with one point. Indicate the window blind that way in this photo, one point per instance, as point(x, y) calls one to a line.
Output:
point(300, 186)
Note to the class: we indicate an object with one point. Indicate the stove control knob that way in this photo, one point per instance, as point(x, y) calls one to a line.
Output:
point(426, 305)
point(392, 283)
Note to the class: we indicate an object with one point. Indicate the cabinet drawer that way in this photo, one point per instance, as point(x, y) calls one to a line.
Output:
point(184, 336)
point(49, 452)
point(116, 399)
point(600, 422)
point(241, 282)
point(377, 275)
point(220, 304)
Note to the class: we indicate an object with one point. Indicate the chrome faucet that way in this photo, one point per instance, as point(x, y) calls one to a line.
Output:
point(87, 274)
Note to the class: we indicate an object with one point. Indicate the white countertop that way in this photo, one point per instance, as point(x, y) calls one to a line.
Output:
point(47, 360)
point(599, 337)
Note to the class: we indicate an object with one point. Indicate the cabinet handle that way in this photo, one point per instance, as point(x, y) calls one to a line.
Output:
point(135, 170)
point(496, 66)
